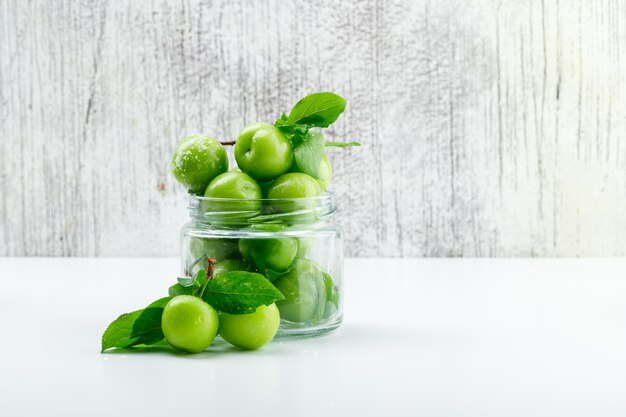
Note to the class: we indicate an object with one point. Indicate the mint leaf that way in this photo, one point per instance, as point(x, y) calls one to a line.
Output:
point(341, 144)
point(317, 110)
point(240, 292)
point(178, 289)
point(308, 150)
point(141, 327)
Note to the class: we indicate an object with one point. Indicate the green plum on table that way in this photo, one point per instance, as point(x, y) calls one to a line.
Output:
point(250, 331)
point(305, 292)
point(197, 160)
point(263, 152)
point(189, 324)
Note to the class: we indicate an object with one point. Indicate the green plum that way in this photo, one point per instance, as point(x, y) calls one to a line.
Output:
point(294, 185)
point(287, 190)
point(189, 324)
point(250, 331)
point(197, 160)
point(305, 292)
point(232, 186)
point(275, 254)
point(263, 152)
point(229, 265)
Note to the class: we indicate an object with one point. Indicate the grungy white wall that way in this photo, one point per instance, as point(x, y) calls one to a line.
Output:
point(491, 128)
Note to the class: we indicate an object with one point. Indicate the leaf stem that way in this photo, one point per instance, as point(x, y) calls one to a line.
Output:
point(209, 274)
point(227, 142)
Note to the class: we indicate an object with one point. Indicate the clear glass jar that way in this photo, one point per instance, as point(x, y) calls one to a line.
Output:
point(295, 243)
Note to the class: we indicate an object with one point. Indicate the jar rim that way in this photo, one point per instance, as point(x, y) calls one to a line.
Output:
point(243, 212)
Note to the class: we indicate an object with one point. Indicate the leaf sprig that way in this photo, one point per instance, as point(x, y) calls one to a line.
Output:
point(317, 110)
point(235, 292)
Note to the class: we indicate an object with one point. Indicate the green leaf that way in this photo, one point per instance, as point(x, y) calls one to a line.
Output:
point(188, 285)
point(240, 292)
point(141, 327)
point(308, 150)
point(317, 110)
point(199, 279)
point(342, 144)
point(186, 281)
point(178, 289)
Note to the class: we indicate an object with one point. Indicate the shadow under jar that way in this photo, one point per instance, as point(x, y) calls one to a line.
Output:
point(295, 243)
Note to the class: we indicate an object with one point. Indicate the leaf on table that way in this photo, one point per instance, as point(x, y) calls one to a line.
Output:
point(141, 327)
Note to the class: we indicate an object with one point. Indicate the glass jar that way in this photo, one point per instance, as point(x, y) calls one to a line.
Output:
point(295, 243)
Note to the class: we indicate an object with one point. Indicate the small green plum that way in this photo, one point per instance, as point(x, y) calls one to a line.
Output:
point(293, 193)
point(232, 186)
point(263, 152)
point(250, 331)
point(294, 185)
point(229, 265)
point(197, 160)
point(189, 324)
point(305, 292)
point(276, 254)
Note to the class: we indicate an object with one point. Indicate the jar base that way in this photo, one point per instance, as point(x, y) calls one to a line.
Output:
point(289, 330)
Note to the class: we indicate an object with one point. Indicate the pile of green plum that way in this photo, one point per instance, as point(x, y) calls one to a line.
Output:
point(280, 169)
point(265, 167)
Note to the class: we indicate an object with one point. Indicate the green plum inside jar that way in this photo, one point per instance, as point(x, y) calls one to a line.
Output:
point(274, 254)
point(295, 197)
point(232, 197)
point(305, 293)
point(229, 265)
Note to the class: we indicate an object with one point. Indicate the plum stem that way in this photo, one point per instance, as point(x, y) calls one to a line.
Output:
point(210, 268)
point(227, 142)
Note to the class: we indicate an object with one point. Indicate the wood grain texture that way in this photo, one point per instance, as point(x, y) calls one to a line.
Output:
point(491, 128)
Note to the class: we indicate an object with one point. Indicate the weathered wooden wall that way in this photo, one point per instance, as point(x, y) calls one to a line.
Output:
point(491, 128)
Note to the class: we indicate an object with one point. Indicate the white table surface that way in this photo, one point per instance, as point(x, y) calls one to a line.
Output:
point(420, 337)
